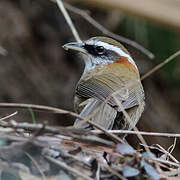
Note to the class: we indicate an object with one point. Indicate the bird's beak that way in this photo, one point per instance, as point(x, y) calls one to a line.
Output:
point(76, 46)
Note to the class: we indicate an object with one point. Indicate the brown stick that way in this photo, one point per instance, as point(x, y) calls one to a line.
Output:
point(107, 32)
point(156, 68)
point(68, 20)
point(61, 111)
point(170, 135)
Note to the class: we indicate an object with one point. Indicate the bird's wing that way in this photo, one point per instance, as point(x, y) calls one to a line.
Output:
point(98, 112)
point(107, 86)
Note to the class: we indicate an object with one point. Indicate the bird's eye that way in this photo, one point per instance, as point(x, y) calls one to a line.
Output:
point(100, 49)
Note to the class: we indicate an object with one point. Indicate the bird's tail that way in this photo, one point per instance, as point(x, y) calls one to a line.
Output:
point(98, 112)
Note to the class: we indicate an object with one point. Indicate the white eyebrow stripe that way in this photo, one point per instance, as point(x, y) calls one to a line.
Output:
point(118, 50)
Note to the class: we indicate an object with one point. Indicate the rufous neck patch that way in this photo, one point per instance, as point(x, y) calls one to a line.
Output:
point(124, 61)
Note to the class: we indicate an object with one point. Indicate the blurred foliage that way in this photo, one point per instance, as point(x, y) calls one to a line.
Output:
point(162, 41)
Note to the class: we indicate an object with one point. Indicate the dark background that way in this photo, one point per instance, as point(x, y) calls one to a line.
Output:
point(37, 70)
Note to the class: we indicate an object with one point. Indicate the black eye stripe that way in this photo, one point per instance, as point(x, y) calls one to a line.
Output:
point(94, 50)
point(89, 48)
point(105, 54)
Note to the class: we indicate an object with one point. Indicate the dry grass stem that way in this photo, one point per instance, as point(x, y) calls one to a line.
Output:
point(110, 169)
point(161, 149)
point(68, 20)
point(173, 146)
point(140, 132)
point(114, 172)
point(68, 168)
point(105, 31)
point(131, 123)
point(156, 68)
point(36, 164)
point(8, 116)
point(167, 153)
point(60, 111)
point(165, 162)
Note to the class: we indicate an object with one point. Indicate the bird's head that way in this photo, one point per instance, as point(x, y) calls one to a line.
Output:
point(101, 50)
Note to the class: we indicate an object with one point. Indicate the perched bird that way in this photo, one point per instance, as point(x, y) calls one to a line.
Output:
point(110, 82)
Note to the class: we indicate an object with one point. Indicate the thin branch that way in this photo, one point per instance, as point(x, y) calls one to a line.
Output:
point(68, 168)
point(36, 164)
point(165, 162)
point(105, 31)
point(79, 135)
point(131, 123)
point(68, 20)
point(105, 165)
point(8, 116)
point(34, 107)
point(49, 109)
point(61, 111)
point(98, 171)
point(156, 68)
point(168, 153)
point(173, 146)
point(161, 149)
point(114, 172)
point(139, 132)
point(46, 129)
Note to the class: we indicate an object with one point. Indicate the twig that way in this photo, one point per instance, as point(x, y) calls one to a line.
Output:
point(61, 111)
point(139, 132)
point(173, 146)
point(68, 168)
point(36, 164)
point(8, 116)
point(98, 171)
point(105, 165)
point(79, 135)
point(46, 129)
point(34, 107)
point(105, 31)
point(165, 162)
point(131, 123)
point(156, 68)
point(114, 172)
point(168, 153)
point(161, 149)
point(68, 20)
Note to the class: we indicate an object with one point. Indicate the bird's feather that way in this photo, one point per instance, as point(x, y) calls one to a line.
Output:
point(107, 86)
point(97, 111)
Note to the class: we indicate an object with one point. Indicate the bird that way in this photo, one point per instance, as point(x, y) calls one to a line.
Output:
point(109, 85)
